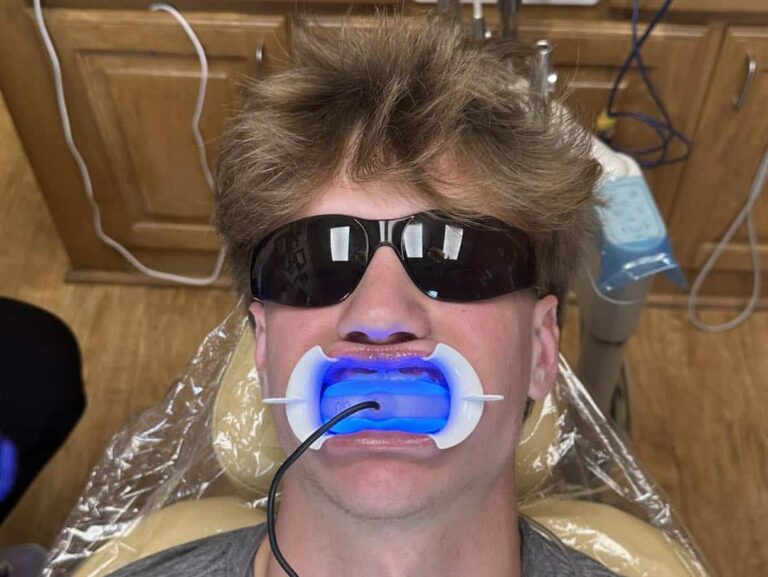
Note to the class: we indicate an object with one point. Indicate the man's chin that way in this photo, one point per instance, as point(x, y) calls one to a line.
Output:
point(382, 488)
point(380, 477)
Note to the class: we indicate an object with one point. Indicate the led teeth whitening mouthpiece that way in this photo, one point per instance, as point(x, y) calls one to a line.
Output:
point(439, 395)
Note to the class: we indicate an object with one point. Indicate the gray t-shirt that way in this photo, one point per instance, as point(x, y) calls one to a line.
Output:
point(231, 554)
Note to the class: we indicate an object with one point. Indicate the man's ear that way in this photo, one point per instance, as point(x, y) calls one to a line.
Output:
point(546, 347)
point(256, 309)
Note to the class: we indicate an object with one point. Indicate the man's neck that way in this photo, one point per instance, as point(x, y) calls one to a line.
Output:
point(479, 538)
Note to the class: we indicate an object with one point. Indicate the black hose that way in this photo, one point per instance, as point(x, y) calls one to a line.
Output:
point(290, 461)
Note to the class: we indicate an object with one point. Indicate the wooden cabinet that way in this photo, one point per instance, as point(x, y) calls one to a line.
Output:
point(587, 57)
point(732, 6)
point(729, 146)
point(131, 80)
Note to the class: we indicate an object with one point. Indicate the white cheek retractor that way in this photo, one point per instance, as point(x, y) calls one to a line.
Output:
point(439, 395)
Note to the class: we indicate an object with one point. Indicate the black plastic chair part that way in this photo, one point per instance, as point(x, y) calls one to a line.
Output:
point(41, 388)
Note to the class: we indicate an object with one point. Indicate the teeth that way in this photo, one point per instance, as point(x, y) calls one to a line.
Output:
point(407, 373)
point(342, 374)
point(417, 372)
point(335, 375)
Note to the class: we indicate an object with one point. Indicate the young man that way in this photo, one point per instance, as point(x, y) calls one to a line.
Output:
point(406, 117)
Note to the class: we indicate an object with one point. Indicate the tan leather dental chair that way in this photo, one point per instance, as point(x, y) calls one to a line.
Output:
point(247, 451)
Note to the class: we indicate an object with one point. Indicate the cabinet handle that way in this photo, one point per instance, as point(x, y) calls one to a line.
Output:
point(738, 101)
point(260, 53)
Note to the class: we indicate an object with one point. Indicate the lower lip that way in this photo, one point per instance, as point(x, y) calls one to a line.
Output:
point(380, 441)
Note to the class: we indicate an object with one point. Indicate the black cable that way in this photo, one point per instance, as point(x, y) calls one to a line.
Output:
point(290, 461)
point(650, 122)
point(668, 124)
point(665, 129)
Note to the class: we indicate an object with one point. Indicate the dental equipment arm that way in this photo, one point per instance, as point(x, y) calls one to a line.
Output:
point(450, 8)
point(508, 10)
point(542, 77)
point(478, 22)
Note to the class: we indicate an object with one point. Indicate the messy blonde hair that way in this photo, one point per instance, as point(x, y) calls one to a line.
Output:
point(400, 99)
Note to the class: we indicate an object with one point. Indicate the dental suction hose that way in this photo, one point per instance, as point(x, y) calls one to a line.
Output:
point(300, 450)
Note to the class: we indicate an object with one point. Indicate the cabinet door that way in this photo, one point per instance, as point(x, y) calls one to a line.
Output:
point(588, 55)
point(729, 145)
point(730, 6)
point(131, 80)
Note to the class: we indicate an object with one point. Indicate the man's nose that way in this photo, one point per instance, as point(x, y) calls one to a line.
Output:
point(386, 307)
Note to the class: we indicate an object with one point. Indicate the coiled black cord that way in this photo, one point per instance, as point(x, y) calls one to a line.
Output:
point(290, 461)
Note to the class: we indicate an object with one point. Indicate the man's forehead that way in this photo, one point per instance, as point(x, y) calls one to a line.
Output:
point(371, 200)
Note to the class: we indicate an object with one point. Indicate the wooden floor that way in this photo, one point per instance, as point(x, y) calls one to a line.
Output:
point(700, 401)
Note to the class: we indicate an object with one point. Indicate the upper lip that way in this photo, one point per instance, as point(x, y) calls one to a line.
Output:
point(384, 352)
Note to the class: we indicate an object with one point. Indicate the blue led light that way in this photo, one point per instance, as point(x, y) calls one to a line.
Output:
point(8, 466)
point(414, 401)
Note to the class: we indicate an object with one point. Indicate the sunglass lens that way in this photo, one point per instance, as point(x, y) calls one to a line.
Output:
point(455, 262)
point(312, 262)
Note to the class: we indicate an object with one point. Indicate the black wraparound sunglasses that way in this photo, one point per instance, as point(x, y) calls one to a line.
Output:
point(319, 260)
